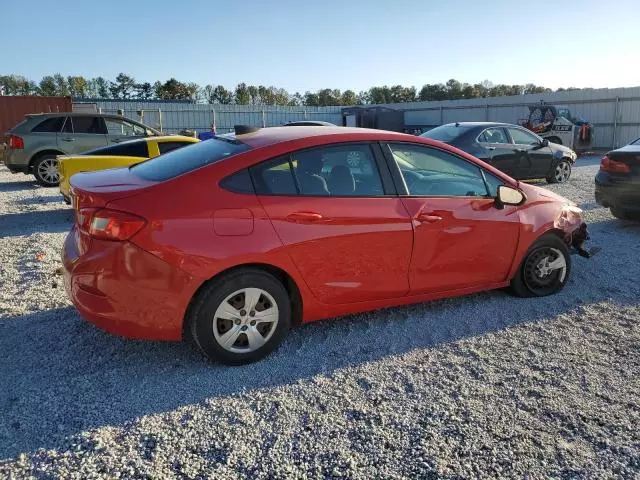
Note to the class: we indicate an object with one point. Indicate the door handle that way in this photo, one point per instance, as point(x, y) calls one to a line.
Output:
point(428, 217)
point(116, 140)
point(68, 139)
point(521, 150)
point(304, 217)
point(491, 148)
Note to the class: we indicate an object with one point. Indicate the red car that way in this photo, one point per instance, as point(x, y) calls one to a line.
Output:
point(234, 239)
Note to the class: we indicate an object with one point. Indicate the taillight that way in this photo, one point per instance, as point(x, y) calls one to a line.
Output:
point(15, 142)
point(106, 224)
point(613, 166)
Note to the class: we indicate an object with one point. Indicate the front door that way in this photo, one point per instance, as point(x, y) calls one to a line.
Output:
point(499, 151)
point(347, 233)
point(460, 238)
point(81, 133)
point(537, 159)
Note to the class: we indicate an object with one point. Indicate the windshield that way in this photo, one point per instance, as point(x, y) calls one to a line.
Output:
point(186, 159)
point(446, 133)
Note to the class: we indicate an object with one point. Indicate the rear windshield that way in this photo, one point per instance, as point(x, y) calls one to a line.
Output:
point(188, 158)
point(446, 133)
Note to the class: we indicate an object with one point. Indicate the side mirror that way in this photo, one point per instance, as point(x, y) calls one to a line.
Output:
point(545, 142)
point(509, 196)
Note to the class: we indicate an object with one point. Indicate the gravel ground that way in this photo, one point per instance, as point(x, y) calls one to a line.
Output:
point(485, 386)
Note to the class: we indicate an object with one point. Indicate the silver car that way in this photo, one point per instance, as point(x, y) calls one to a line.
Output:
point(38, 139)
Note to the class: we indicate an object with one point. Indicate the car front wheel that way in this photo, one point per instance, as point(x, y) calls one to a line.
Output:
point(241, 317)
point(561, 173)
point(544, 270)
point(45, 169)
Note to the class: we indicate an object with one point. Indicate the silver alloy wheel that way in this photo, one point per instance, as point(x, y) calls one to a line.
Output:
point(563, 171)
point(48, 170)
point(245, 320)
point(546, 266)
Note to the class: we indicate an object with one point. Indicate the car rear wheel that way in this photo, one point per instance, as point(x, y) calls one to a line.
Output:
point(241, 317)
point(544, 270)
point(45, 169)
point(561, 173)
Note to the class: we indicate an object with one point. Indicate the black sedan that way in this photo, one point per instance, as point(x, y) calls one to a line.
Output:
point(510, 148)
point(618, 181)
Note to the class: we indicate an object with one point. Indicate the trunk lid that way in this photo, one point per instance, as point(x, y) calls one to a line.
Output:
point(630, 155)
point(97, 189)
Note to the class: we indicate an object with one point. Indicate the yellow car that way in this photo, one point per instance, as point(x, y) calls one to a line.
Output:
point(115, 156)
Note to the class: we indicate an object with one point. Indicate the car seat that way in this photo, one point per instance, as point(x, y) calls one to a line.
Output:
point(341, 181)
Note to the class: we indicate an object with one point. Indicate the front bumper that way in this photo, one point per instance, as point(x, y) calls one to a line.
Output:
point(578, 239)
point(125, 290)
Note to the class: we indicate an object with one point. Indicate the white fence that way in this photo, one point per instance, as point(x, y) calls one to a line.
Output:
point(614, 113)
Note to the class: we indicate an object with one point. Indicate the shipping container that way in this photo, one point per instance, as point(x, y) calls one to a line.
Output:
point(14, 108)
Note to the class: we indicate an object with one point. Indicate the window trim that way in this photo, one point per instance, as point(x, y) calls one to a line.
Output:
point(524, 130)
point(403, 191)
point(388, 186)
point(504, 132)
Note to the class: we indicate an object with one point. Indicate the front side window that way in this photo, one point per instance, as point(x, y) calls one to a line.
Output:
point(522, 137)
point(87, 124)
point(493, 135)
point(432, 172)
point(116, 126)
point(189, 158)
point(347, 170)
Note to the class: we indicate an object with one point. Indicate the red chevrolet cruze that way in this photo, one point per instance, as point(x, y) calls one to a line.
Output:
point(234, 239)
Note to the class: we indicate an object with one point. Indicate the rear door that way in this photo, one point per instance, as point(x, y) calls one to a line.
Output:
point(81, 133)
point(121, 130)
point(336, 211)
point(535, 160)
point(499, 151)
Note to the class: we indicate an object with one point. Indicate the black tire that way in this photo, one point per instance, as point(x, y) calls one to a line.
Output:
point(38, 167)
point(561, 172)
point(201, 321)
point(528, 283)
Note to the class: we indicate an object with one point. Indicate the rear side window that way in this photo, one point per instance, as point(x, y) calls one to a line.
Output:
point(189, 158)
point(126, 149)
point(239, 182)
point(166, 147)
point(275, 177)
point(50, 125)
point(88, 124)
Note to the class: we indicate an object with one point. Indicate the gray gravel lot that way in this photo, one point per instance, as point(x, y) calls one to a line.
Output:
point(485, 386)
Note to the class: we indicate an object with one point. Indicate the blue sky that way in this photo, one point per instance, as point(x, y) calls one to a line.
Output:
point(306, 45)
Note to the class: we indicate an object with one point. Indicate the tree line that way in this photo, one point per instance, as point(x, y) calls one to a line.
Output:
point(126, 87)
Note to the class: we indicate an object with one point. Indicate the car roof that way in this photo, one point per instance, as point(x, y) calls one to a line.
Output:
point(77, 114)
point(480, 124)
point(272, 135)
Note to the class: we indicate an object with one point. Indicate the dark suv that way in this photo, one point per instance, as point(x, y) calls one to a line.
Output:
point(38, 139)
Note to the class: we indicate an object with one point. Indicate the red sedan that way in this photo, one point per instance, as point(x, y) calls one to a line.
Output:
point(234, 239)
